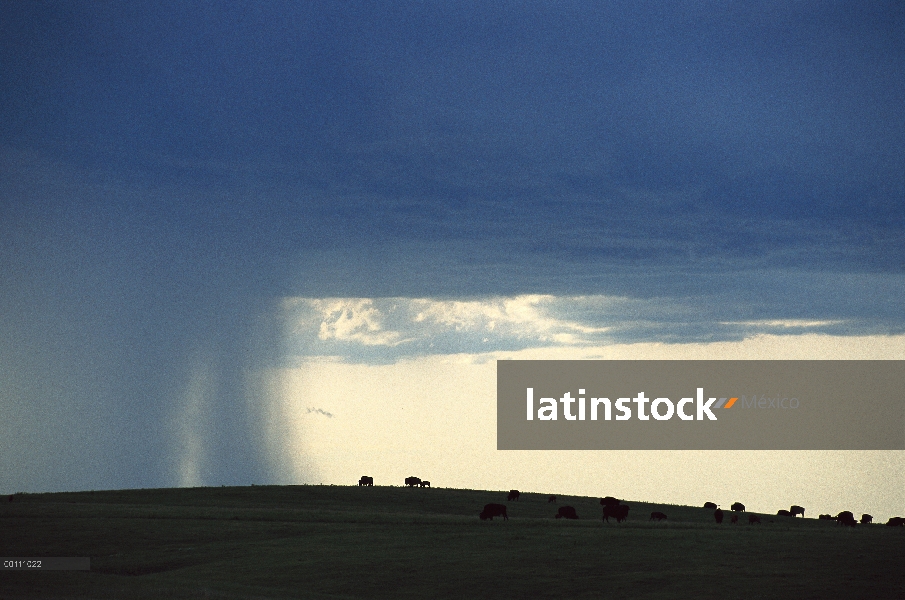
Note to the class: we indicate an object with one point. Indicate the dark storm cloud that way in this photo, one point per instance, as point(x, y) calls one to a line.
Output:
point(627, 114)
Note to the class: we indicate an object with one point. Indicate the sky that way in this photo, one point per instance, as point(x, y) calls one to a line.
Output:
point(286, 243)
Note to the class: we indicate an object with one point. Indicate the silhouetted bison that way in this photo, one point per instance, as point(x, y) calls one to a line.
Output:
point(738, 507)
point(658, 516)
point(493, 510)
point(412, 481)
point(566, 512)
point(618, 512)
point(425, 484)
point(734, 519)
point(752, 519)
point(797, 510)
point(513, 495)
point(709, 505)
point(896, 522)
point(365, 480)
point(718, 516)
point(609, 501)
point(846, 518)
point(551, 499)
point(783, 513)
point(866, 518)
point(826, 518)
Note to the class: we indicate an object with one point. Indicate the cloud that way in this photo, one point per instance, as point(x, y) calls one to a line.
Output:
point(385, 330)
point(353, 320)
point(319, 411)
point(784, 323)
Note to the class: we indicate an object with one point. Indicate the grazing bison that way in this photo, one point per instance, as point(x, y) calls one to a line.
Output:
point(718, 516)
point(783, 513)
point(738, 507)
point(566, 512)
point(493, 510)
point(656, 515)
point(846, 518)
point(752, 519)
point(425, 484)
point(618, 512)
point(513, 495)
point(365, 480)
point(412, 481)
point(609, 501)
point(866, 518)
point(797, 510)
point(709, 505)
point(896, 522)
point(734, 519)
point(826, 518)
point(551, 499)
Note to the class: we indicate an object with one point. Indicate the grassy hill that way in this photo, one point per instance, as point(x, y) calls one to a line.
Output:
point(393, 542)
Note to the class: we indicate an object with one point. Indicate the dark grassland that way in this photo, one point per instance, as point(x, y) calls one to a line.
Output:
point(393, 542)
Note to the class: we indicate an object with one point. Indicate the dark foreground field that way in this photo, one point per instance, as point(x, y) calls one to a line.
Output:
point(390, 542)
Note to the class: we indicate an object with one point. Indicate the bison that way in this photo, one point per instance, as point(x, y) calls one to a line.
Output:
point(551, 499)
point(734, 519)
point(752, 519)
point(718, 516)
point(826, 518)
point(513, 495)
point(609, 501)
point(797, 510)
point(783, 513)
point(738, 507)
point(709, 505)
point(846, 518)
point(618, 512)
point(493, 510)
point(866, 518)
point(365, 480)
point(566, 512)
point(425, 484)
point(896, 522)
point(657, 516)
point(412, 481)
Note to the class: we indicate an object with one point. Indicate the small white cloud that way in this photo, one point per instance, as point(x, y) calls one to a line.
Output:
point(353, 319)
point(784, 323)
point(318, 411)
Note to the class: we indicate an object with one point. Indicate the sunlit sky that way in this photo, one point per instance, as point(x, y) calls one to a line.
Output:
point(286, 243)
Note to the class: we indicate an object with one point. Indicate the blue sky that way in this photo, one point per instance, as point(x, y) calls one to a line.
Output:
point(177, 176)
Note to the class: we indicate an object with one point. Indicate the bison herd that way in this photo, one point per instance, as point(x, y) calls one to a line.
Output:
point(409, 481)
point(845, 518)
point(615, 509)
